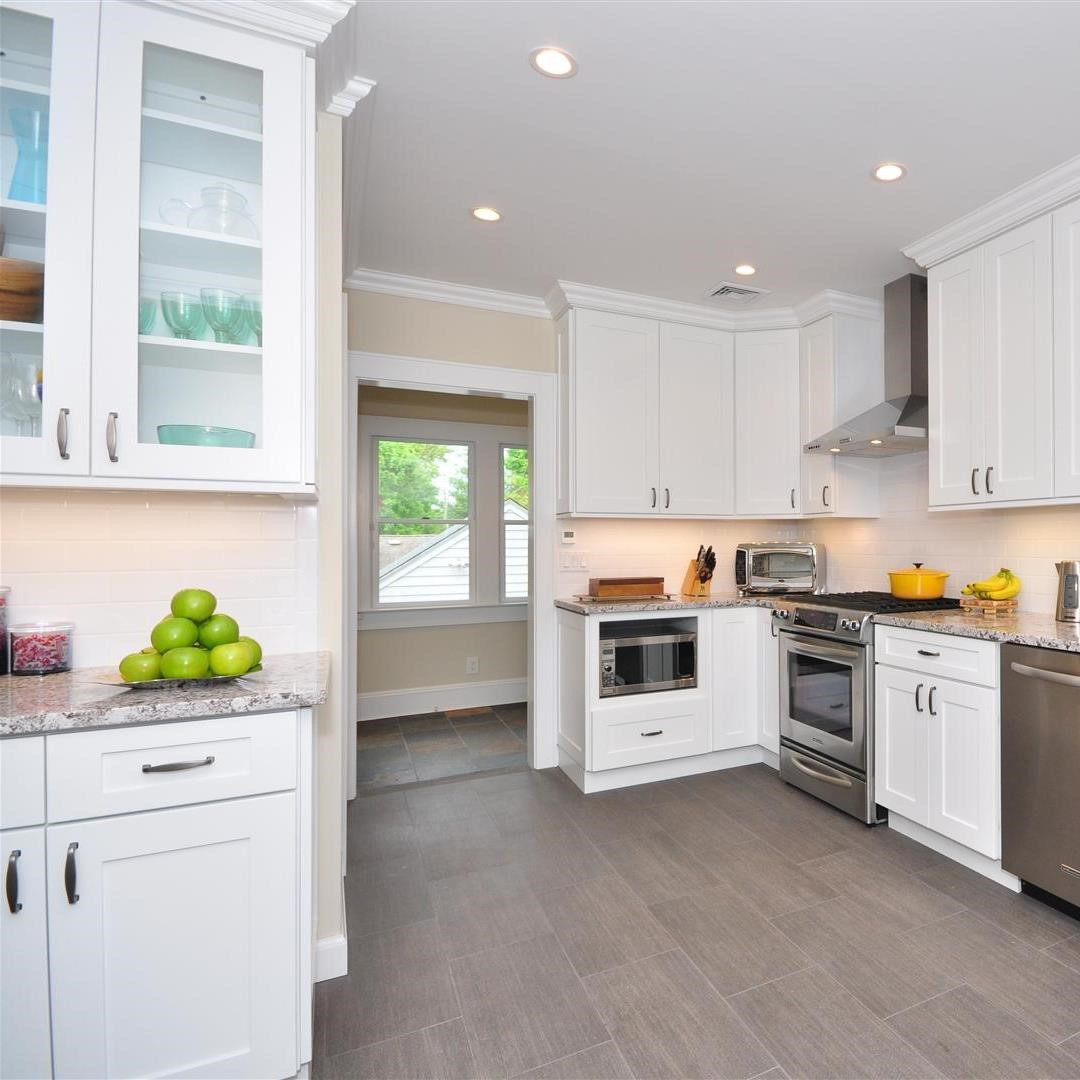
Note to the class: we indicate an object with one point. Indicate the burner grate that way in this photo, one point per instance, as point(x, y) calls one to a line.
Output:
point(880, 603)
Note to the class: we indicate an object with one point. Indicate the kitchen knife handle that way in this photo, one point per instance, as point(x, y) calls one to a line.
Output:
point(986, 479)
point(11, 882)
point(110, 436)
point(667, 498)
point(70, 872)
point(62, 433)
point(974, 473)
point(918, 702)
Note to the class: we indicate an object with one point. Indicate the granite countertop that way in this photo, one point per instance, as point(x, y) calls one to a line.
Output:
point(78, 700)
point(1023, 628)
point(676, 603)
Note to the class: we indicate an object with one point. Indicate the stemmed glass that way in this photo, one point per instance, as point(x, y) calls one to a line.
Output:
point(20, 389)
point(224, 311)
point(147, 314)
point(253, 315)
point(183, 314)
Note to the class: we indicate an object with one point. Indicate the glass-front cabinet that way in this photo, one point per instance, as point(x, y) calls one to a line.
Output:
point(47, 75)
point(198, 256)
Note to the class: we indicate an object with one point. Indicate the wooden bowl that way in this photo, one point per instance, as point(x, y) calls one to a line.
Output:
point(22, 288)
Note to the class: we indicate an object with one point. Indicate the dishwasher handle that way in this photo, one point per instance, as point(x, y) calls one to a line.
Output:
point(1061, 677)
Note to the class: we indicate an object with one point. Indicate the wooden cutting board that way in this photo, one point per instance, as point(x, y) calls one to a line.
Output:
point(626, 586)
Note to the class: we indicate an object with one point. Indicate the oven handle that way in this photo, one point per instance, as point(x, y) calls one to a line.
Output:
point(800, 644)
point(836, 781)
point(1049, 676)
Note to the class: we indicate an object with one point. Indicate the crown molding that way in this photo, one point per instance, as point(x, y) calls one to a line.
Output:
point(446, 292)
point(1023, 203)
point(831, 302)
point(303, 22)
point(342, 102)
point(566, 294)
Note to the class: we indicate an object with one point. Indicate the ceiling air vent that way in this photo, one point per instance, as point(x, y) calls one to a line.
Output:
point(727, 292)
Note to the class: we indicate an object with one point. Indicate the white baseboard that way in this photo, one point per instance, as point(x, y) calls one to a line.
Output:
point(470, 695)
point(331, 957)
point(948, 847)
point(632, 775)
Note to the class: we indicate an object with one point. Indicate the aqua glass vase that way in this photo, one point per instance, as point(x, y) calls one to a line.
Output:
point(31, 130)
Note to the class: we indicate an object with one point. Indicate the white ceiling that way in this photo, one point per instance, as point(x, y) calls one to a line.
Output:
point(699, 135)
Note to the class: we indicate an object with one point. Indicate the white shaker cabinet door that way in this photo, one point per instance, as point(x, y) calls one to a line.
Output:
point(25, 1049)
point(1017, 377)
point(957, 414)
point(173, 942)
point(697, 420)
point(817, 381)
point(1066, 225)
point(734, 648)
point(767, 480)
point(616, 410)
point(900, 742)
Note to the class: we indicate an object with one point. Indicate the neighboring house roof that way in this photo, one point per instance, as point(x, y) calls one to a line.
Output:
point(438, 570)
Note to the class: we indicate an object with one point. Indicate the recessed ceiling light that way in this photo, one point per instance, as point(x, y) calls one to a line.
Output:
point(552, 62)
point(834, 449)
point(485, 213)
point(875, 442)
point(888, 171)
point(745, 269)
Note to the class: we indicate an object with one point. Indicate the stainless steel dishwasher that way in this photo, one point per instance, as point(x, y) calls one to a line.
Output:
point(1040, 768)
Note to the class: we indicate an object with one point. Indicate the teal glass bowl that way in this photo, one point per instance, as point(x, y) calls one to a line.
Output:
point(197, 435)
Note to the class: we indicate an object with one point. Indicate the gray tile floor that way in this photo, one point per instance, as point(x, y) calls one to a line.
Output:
point(434, 746)
point(721, 926)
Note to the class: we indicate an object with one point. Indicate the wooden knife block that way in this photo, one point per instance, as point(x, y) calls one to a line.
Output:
point(691, 587)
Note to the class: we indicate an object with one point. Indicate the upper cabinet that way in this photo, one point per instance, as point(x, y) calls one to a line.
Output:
point(1066, 240)
point(767, 482)
point(646, 417)
point(198, 362)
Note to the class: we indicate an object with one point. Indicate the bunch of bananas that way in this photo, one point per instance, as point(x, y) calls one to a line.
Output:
point(1004, 585)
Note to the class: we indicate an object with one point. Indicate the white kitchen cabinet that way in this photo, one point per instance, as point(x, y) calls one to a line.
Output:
point(768, 675)
point(840, 376)
point(991, 371)
point(900, 743)
point(48, 78)
point(733, 637)
point(1066, 240)
point(768, 451)
point(697, 421)
point(172, 941)
point(25, 1049)
point(654, 727)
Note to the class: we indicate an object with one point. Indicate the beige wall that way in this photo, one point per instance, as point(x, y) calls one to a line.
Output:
point(401, 326)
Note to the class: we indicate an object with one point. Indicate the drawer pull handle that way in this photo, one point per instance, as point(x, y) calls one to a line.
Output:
point(649, 734)
point(70, 872)
point(179, 766)
point(1064, 866)
point(927, 652)
point(11, 882)
point(835, 779)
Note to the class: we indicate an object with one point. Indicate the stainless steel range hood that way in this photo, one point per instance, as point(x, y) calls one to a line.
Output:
point(898, 424)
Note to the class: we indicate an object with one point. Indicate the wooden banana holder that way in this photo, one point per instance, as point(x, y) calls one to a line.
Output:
point(991, 609)
point(692, 587)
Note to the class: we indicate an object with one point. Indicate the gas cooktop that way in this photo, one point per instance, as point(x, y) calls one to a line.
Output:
point(848, 616)
point(878, 603)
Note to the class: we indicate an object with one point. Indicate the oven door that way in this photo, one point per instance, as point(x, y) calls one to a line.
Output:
point(823, 697)
point(781, 570)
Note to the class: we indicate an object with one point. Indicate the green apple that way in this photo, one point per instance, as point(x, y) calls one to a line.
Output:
point(219, 630)
point(140, 666)
point(173, 633)
point(194, 604)
point(185, 663)
point(232, 659)
point(150, 649)
point(256, 648)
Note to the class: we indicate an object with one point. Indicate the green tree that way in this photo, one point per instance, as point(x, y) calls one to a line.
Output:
point(516, 475)
point(408, 484)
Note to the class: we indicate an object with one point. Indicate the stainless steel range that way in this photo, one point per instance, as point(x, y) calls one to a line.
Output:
point(827, 693)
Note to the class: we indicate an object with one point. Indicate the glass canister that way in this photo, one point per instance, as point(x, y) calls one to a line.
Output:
point(41, 648)
point(5, 594)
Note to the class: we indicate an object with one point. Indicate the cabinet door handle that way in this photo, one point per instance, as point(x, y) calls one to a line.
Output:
point(974, 473)
point(110, 436)
point(918, 700)
point(179, 766)
point(70, 874)
point(930, 701)
point(62, 433)
point(667, 498)
point(650, 734)
point(927, 652)
point(11, 882)
point(792, 498)
point(825, 495)
point(654, 498)
point(986, 481)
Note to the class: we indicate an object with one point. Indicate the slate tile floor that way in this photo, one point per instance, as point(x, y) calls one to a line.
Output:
point(722, 926)
point(434, 746)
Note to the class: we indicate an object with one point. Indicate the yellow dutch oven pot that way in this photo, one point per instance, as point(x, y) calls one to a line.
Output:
point(915, 583)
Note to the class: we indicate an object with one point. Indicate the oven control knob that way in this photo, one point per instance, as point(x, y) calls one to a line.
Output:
point(781, 613)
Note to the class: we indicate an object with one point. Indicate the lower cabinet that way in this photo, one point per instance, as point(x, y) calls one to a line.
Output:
point(768, 676)
point(734, 647)
point(24, 957)
point(670, 725)
point(937, 757)
point(173, 941)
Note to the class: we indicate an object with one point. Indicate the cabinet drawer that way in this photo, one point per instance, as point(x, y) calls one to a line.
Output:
point(633, 734)
point(22, 782)
point(944, 655)
point(98, 773)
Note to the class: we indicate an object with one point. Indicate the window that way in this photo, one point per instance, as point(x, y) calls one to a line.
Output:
point(446, 507)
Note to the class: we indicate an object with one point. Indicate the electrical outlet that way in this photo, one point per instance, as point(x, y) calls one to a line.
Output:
point(472, 665)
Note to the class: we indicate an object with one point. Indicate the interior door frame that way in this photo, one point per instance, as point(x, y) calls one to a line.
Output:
point(442, 376)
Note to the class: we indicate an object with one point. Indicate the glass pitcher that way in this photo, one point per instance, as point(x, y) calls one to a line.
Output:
point(222, 210)
point(31, 130)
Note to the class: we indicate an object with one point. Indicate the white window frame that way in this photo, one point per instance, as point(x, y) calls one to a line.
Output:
point(487, 602)
point(503, 598)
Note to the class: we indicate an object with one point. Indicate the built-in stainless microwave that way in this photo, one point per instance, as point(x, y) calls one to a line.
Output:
point(647, 656)
point(779, 566)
